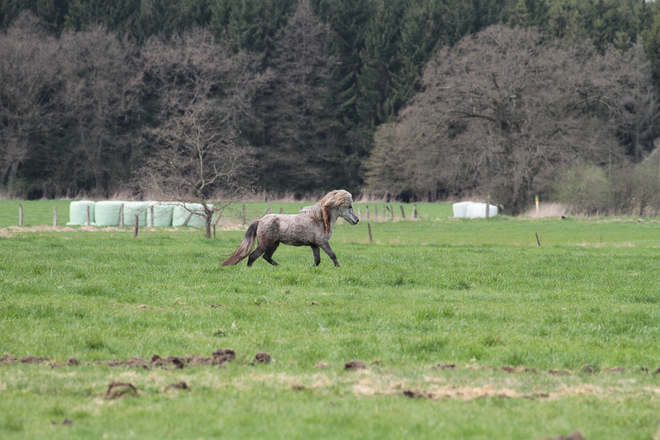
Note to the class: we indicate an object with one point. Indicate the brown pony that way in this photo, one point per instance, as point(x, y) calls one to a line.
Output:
point(312, 227)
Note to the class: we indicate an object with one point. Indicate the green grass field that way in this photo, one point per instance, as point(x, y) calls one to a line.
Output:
point(576, 319)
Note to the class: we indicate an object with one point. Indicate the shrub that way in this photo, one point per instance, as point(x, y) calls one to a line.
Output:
point(585, 189)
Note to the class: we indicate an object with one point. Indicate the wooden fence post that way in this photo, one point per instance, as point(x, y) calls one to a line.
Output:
point(137, 223)
point(54, 215)
point(384, 213)
point(20, 214)
point(403, 213)
point(281, 211)
point(121, 215)
point(270, 208)
point(244, 216)
point(359, 213)
point(366, 207)
point(392, 212)
point(151, 222)
point(88, 216)
point(213, 230)
point(414, 215)
point(376, 212)
point(371, 240)
point(487, 206)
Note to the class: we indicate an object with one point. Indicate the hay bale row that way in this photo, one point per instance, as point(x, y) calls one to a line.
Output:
point(108, 213)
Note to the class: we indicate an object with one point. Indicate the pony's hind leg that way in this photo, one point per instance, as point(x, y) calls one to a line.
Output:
point(317, 255)
point(258, 252)
point(268, 255)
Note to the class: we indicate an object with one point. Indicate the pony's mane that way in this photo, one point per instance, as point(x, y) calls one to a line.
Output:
point(321, 210)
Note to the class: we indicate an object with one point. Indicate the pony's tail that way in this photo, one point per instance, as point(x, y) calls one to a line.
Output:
point(245, 247)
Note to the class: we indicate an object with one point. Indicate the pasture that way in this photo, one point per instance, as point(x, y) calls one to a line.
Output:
point(467, 328)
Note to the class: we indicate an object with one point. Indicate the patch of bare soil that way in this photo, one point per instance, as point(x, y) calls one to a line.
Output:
point(219, 357)
point(354, 365)
point(6, 232)
point(176, 361)
point(464, 393)
point(262, 358)
point(575, 435)
point(134, 362)
point(11, 359)
point(120, 389)
point(64, 422)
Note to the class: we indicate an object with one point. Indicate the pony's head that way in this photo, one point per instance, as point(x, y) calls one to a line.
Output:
point(342, 201)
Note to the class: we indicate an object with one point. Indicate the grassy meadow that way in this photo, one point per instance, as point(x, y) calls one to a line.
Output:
point(468, 330)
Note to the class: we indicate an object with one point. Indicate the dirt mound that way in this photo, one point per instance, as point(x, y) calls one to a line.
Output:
point(223, 355)
point(219, 357)
point(354, 365)
point(262, 358)
point(120, 389)
point(178, 386)
point(176, 361)
point(445, 366)
point(417, 395)
point(10, 359)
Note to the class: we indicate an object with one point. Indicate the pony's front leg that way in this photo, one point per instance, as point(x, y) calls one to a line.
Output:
point(317, 255)
point(326, 248)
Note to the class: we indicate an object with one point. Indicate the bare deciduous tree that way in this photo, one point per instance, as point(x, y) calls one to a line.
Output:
point(205, 93)
point(197, 160)
point(503, 111)
point(101, 93)
point(28, 88)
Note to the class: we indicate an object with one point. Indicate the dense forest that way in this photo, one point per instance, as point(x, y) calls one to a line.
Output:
point(405, 99)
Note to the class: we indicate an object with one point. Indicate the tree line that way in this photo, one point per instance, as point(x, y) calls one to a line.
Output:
point(318, 94)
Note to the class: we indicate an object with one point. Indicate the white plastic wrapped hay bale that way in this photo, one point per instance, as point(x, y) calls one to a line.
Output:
point(192, 212)
point(132, 208)
point(460, 209)
point(107, 213)
point(478, 210)
point(162, 213)
point(78, 212)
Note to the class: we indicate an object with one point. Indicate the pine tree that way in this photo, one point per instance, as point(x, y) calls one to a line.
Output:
point(349, 19)
point(376, 101)
point(251, 25)
point(297, 152)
